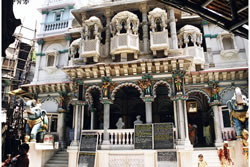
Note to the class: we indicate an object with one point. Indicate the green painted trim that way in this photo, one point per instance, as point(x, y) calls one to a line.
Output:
point(40, 41)
point(45, 12)
point(210, 35)
point(40, 54)
point(63, 51)
point(67, 37)
point(71, 7)
point(205, 22)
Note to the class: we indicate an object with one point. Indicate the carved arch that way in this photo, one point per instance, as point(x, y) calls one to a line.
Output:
point(224, 91)
point(126, 85)
point(88, 95)
point(200, 91)
point(161, 82)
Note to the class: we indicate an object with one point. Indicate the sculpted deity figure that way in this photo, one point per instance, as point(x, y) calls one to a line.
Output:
point(178, 83)
point(138, 120)
point(120, 124)
point(37, 121)
point(238, 107)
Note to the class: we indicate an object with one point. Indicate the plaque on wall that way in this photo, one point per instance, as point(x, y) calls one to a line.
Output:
point(88, 142)
point(86, 159)
point(163, 136)
point(167, 158)
point(143, 136)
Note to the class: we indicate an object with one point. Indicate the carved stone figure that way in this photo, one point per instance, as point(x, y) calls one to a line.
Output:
point(138, 120)
point(178, 83)
point(120, 124)
point(238, 107)
point(37, 121)
point(215, 92)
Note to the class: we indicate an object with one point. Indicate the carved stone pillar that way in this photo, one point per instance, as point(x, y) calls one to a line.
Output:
point(148, 106)
point(92, 119)
point(107, 41)
point(217, 126)
point(144, 10)
point(182, 141)
point(173, 28)
point(106, 119)
point(75, 141)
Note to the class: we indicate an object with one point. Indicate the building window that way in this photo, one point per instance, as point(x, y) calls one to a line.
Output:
point(228, 43)
point(58, 16)
point(52, 125)
point(51, 60)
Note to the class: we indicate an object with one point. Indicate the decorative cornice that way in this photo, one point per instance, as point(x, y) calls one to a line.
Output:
point(179, 96)
point(215, 103)
point(106, 101)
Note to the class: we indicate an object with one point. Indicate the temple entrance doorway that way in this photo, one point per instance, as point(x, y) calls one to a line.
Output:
point(163, 110)
point(200, 120)
point(127, 105)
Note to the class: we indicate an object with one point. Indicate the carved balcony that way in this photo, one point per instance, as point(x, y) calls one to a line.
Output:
point(196, 53)
point(90, 48)
point(125, 43)
point(159, 41)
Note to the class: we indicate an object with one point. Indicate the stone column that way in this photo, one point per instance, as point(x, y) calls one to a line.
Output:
point(217, 126)
point(173, 28)
point(175, 119)
point(92, 120)
point(38, 62)
point(148, 107)
point(61, 128)
point(82, 121)
point(75, 142)
point(144, 10)
point(106, 102)
point(107, 41)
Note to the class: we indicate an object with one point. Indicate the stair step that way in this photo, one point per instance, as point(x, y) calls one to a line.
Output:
point(56, 161)
point(56, 165)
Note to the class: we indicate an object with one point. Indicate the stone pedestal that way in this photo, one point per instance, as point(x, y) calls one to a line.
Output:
point(148, 106)
point(40, 153)
point(73, 154)
point(217, 126)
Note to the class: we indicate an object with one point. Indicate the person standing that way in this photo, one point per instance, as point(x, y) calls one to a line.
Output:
point(20, 160)
point(201, 162)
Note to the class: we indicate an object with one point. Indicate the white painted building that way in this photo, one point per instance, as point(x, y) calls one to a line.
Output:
point(102, 60)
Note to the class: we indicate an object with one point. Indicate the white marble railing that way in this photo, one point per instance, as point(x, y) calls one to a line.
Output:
point(116, 136)
point(124, 43)
point(56, 25)
point(228, 134)
point(90, 48)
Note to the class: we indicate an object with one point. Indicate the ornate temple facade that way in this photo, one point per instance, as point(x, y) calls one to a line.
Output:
point(99, 61)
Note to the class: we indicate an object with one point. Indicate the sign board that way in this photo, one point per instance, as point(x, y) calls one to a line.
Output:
point(86, 159)
point(163, 136)
point(88, 142)
point(167, 158)
point(143, 136)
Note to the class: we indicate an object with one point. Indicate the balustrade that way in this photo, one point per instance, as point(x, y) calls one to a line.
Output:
point(228, 134)
point(56, 25)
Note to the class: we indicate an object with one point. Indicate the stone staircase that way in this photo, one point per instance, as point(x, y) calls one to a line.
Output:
point(59, 159)
point(210, 155)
